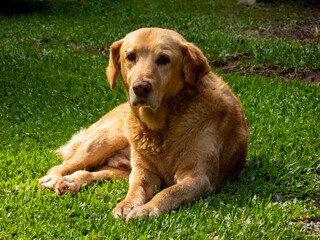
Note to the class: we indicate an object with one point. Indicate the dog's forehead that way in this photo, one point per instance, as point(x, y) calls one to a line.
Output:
point(152, 39)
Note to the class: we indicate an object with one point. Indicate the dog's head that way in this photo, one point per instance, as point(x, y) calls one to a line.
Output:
point(154, 64)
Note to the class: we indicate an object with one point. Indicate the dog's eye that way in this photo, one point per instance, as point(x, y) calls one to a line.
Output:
point(131, 57)
point(163, 60)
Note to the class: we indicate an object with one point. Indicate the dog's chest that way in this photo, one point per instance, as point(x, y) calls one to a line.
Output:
point(157, 153)
point(160, 148)
point(149, 144)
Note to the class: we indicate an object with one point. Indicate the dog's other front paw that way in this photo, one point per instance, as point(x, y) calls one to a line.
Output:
point(48, 181)
point(123, 209)
point(143, 211)
point(67, 184)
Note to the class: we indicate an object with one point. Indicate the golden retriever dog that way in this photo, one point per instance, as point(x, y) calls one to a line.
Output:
point(182, 129)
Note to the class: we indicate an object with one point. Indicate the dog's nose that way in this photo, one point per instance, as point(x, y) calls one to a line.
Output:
point(141, 88)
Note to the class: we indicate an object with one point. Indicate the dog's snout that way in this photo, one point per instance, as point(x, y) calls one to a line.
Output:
point(141, 88)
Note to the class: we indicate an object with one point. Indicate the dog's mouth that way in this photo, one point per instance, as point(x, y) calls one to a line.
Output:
point(145, 101)
point(141, 102)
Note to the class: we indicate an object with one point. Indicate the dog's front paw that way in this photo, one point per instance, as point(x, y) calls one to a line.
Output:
point(123, 209)
point(143, 211)
point(67, 184)
point(48, 181)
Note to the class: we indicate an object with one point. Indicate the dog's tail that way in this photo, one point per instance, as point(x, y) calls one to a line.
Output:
point(67, 150)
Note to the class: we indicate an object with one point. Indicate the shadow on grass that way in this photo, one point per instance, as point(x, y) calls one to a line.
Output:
point(11, 7)
point(256, 182)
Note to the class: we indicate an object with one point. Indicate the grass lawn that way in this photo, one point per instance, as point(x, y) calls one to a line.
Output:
point(53, 56)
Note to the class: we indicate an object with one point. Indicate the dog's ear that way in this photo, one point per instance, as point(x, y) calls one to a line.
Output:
point(195, 64)
point(113, 69)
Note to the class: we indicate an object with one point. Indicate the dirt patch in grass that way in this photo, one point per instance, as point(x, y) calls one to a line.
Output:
point(311, 224)
point(295, 32)
point(230, 64)
point(301, 33)
point(100, 50)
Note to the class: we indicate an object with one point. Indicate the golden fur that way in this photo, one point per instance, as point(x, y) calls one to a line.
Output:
point(182, 128)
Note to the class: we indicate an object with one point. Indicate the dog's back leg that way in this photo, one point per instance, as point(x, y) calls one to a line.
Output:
point(72, 183)
point(91, 146)
point(116, 167)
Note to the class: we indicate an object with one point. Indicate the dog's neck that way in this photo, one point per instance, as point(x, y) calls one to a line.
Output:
point(153, 119)
point(158, 119)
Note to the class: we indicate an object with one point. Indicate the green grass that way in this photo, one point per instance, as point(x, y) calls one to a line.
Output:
point(52, 83)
